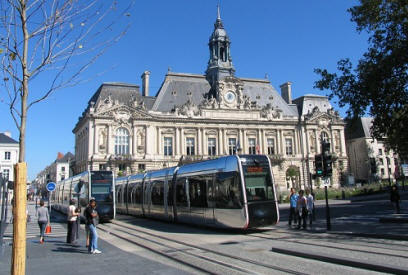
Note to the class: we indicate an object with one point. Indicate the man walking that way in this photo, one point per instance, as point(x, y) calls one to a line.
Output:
point(91, 216)
point(302, 209)
point(293, 201)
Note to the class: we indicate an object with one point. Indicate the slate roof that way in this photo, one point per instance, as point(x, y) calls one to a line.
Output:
point(7, 140)
point(359, 128)
point(308, 102)
point(68, 156)
point(176, 88)
point(122, 92)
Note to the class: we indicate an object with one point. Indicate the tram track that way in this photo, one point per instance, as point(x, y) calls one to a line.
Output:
point(199, 256)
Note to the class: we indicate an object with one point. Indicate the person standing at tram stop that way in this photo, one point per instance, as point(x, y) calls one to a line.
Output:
point(292, 210)
point(310, 205)
point(301, 206)
point(71, 220)
point(395, 198)
point(43, 219)
point(91, 216)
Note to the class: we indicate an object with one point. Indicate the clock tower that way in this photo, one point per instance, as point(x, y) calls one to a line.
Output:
point(225, 87)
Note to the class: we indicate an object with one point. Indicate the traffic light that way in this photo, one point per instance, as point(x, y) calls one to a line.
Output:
point(319, 165)
point(328, 165)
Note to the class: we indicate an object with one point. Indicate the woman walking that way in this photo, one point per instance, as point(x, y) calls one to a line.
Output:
point(72, 225)
point(43, 219)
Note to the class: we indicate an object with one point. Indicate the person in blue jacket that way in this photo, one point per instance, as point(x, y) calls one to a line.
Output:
point(293, 197)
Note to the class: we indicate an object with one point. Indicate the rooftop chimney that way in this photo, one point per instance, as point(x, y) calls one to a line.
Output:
point(60, 155)
point(145, 83)
point(7, 133)
point(286, 91)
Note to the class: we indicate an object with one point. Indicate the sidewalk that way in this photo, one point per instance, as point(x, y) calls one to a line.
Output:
point(57, 257)
point(383, 223)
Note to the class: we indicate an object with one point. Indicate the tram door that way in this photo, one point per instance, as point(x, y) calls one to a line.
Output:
point(209, 211)
point(198, 197)
point(182, 201)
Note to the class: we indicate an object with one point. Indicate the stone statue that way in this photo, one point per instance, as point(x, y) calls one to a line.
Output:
point(102, 139)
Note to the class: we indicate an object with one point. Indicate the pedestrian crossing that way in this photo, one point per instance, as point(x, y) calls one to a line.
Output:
point(33, 230)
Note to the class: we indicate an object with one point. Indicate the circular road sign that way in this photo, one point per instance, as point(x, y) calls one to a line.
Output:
point(51, 186)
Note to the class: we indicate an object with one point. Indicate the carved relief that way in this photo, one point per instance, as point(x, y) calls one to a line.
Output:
point(312, 142)
point(188, 109)
point(271, 113)
point(141, 141)
point(337, 141)
point(102, 139)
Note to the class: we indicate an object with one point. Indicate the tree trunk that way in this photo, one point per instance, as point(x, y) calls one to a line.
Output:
point(20, 176)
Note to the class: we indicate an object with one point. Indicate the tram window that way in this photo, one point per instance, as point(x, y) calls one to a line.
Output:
point(138, 194)
point(181, 196)
point(197, 191)
point(228, 190)
point(157, 192)
point(258, 183)
point(170, 195)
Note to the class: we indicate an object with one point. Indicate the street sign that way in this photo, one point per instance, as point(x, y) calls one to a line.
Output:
point(405, 169)
point(51, 186)
point(326, 181)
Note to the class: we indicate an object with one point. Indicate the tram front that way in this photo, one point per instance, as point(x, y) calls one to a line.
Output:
point(260, 191)
point(102, 189)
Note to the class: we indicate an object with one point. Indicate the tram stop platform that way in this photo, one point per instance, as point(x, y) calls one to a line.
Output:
point(55, 256)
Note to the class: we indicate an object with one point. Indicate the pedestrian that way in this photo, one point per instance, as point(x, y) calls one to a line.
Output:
point(301, 207)
point(309, 205)
point(395, 198)
point(43, 219)
point(71, 221)
point(292, 210)
point(91, 216)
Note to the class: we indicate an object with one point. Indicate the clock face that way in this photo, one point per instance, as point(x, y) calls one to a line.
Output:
point(229, 97)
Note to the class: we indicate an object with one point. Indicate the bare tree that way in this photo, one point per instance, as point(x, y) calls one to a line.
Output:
point(54, 41)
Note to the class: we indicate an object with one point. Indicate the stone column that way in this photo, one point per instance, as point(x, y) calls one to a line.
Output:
point(134, 147)
point(332, 140)
point(177, 142)
point(343, 143)
point(91, 127)
point(318, 147)
point(96, 140)
point(259, 141)
point(110, 141)
point(182, 142)
point(244, 142)
point(282, 142)
point(220, 143)
point(199, 142)
point(158, 135)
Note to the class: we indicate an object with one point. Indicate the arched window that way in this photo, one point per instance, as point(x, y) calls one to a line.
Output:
point(325, 137)
point(122, 142)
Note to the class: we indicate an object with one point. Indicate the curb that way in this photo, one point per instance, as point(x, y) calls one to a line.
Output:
point(372, 235)
point(342, 261)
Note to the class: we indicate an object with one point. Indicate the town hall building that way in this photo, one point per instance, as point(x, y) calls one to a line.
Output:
point(195, 117)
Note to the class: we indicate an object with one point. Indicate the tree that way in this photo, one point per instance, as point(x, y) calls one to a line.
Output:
point(53, 42)
point(378, 85)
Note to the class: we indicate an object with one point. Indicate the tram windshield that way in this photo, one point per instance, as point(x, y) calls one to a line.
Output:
point(258, 182)
point(101, 188)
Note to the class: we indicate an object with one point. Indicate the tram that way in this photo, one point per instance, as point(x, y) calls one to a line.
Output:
point(227, 192)
point(82, 187)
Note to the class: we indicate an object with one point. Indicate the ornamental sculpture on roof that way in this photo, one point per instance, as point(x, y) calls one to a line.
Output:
point(271, 113)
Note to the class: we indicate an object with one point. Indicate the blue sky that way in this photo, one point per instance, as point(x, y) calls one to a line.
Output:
point(284, 39)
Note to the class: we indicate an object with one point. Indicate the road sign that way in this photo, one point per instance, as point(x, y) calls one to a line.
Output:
point(405, 169)
point(51, 186)
point(326, 181)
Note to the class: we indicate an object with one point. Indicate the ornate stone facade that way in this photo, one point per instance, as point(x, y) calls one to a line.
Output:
point(205, 116)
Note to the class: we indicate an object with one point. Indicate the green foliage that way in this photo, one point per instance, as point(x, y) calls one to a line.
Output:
point(378, 84)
